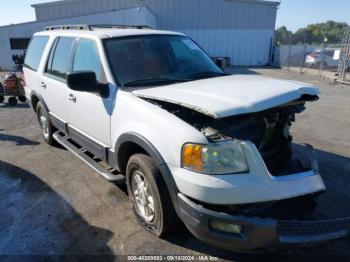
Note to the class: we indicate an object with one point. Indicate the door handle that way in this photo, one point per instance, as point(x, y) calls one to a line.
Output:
point(72, 98)
point(43, 85)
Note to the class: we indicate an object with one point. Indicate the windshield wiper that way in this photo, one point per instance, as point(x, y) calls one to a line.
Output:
point(206, 74)
point(154, 81)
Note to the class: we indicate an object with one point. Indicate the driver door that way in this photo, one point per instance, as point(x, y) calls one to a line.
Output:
point(90, 113)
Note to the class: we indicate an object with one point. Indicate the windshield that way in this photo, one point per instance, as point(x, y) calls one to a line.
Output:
point(153, 60)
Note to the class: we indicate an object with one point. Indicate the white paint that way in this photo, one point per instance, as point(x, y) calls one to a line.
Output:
point(336, 55)
point(256, 186)
point(230, 95)
point(219, 97)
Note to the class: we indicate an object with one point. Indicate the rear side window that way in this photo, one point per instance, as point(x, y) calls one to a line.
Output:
point(35, 52)
point(60, 57)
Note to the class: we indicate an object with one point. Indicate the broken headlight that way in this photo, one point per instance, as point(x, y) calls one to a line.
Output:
point(215, 159)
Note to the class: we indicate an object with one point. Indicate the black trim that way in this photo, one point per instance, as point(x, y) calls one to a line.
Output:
point(105, 172)
point(257, 233)
point(50, 72)
point(50, 55)
point(41, 99)
point(155, 155)
point(90, 145)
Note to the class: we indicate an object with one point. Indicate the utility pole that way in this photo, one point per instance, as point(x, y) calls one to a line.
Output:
point(304, 53)
point(344, 56)
point(323, 57)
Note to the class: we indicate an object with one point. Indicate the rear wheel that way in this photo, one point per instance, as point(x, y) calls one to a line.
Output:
point(13, 101)
point(149, 196)
point(2, 98)
point(45, 124)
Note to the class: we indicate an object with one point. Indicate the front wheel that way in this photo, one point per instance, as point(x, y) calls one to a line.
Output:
point(149, 196)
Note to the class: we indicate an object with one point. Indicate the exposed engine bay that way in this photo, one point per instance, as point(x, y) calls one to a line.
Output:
point(268, 130)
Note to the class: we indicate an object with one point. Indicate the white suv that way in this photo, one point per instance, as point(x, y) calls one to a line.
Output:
point(150, 108)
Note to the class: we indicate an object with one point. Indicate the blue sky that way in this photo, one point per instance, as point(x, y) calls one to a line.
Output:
point(292, 13)
point(298, 13)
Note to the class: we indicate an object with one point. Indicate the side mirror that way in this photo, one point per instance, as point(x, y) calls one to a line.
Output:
point(83, 81)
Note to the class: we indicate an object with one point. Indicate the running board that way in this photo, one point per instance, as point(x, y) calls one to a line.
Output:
point(64, 140)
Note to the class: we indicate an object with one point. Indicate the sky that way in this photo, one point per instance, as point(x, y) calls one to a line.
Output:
point(298, 13)
point(292, 13)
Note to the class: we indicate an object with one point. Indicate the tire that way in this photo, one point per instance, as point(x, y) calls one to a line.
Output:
point(13, 101)
point(164, 219)
point(22, 99)
point(2, 98)
point(46, 127)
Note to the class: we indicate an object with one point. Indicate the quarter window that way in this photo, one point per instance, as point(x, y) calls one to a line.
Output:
point(59, 58)
point(87, 59)
point(35, 52)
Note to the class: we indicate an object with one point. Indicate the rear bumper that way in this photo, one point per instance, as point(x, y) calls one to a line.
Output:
point(257, 233)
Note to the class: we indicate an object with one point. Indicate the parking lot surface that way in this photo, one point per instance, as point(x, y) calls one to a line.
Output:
point(53, 204)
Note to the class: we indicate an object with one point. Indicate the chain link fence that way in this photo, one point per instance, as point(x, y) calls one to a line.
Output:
point(330, 60)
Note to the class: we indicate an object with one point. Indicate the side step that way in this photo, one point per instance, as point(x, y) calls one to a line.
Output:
point(109, 174)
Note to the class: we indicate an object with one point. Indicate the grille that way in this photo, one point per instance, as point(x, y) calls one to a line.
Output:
point(312, 228)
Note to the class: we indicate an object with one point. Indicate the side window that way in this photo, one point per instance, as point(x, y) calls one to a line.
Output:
point(87, 58)
point(59, 57)
point(35, 52)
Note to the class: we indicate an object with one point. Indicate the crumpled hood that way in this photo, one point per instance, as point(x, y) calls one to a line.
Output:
point(230, 95)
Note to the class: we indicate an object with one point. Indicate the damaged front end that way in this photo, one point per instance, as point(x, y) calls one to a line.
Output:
point(269, 130)
point(272, 205)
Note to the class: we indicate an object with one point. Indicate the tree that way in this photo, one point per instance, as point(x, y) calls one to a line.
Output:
point(283, 36)
point(314, 33)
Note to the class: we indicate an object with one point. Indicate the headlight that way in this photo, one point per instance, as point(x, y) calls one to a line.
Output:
point(215, 159)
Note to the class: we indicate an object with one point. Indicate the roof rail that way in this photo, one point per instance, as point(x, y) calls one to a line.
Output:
point(120, 26)
point(91, 27)
point(67, 27)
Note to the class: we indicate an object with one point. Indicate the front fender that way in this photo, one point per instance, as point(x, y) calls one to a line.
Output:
point(155, 155)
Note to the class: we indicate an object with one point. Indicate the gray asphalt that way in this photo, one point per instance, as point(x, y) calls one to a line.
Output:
point(53, 204)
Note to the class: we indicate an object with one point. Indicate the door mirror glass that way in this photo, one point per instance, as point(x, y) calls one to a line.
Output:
point(84, 81)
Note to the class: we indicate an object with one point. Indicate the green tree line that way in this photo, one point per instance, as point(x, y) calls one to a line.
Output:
point(313, 34)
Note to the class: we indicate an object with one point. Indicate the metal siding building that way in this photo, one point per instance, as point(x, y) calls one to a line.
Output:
point(239, 29)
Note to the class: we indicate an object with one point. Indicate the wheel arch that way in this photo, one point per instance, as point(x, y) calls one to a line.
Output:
point(145, 146)
point(34, 100)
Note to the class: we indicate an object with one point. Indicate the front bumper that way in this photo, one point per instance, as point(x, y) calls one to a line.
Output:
point(257, 233)
point(256, 186)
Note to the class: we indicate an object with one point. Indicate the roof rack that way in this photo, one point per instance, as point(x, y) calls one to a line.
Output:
point(91, 27)
point(119, 26)
point(67, 27)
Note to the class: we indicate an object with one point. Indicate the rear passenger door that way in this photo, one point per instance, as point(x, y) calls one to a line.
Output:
point(53, 83)
point(90, 113)
point(33, 62)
